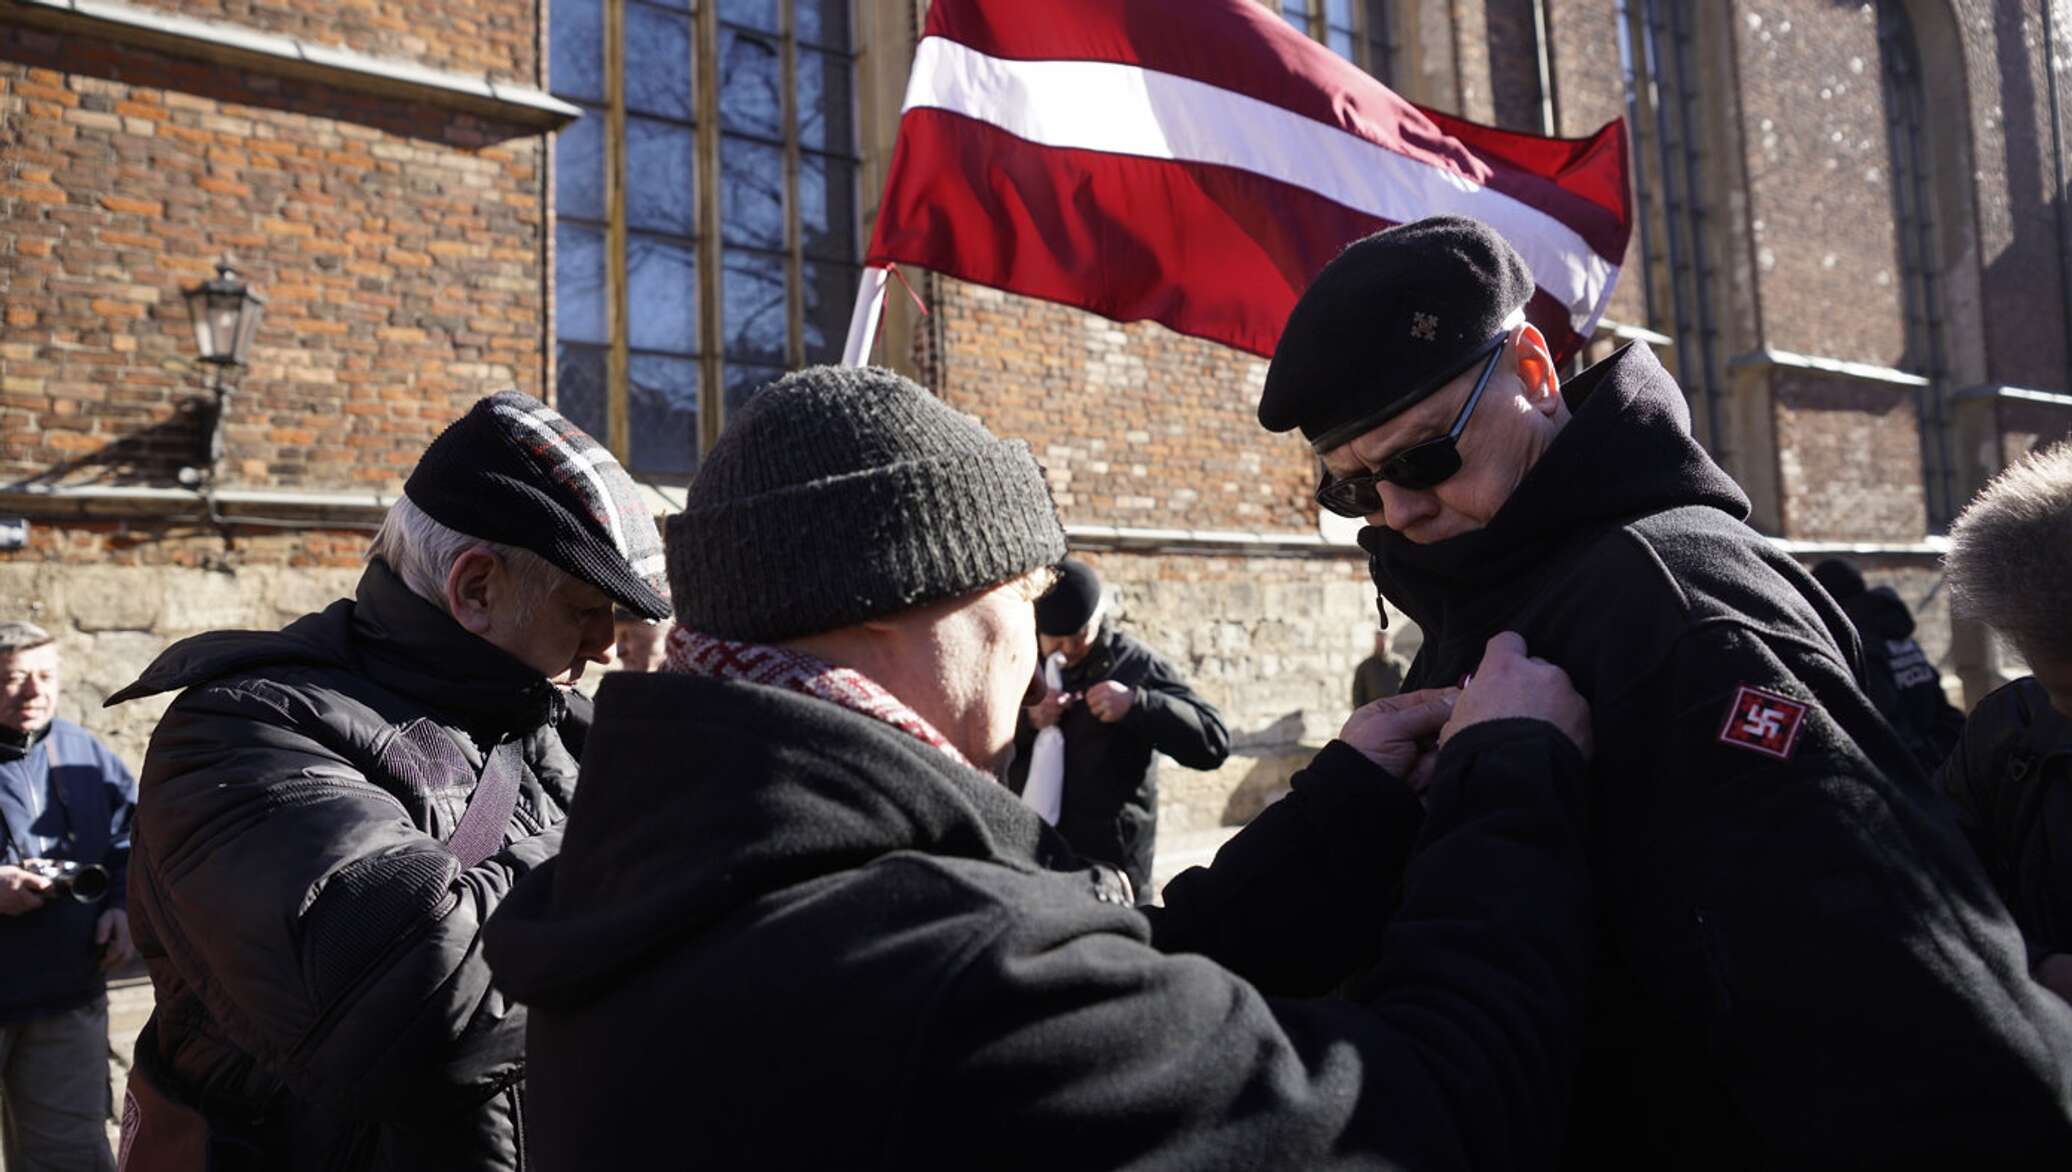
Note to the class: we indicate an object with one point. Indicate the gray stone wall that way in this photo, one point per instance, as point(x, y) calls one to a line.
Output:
point(111, 621)
point(1271, 642)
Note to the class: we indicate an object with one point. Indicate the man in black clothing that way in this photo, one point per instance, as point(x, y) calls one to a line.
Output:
point(1800, 962)
point(800, 925)
point(2011, 775)
point(1120, 704)
point(1897, 676)
point(330, 812)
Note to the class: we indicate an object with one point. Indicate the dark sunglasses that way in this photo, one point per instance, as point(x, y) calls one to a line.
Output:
point(1418, 466)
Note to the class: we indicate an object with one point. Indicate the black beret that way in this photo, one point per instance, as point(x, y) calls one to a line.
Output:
point(1070, 603)
point(1391, 319)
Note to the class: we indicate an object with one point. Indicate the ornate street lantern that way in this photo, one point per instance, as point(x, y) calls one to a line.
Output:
point(226, 316)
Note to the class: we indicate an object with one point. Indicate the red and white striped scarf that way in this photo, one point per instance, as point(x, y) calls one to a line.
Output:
point(699, 654)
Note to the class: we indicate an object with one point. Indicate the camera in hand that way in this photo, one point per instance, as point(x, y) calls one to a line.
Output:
point(81, 882)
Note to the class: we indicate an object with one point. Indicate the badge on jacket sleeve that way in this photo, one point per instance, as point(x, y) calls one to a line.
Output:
point(1763, 721)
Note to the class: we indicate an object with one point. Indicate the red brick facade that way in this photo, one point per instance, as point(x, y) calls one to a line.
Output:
point(401, 252)
point(405, 249)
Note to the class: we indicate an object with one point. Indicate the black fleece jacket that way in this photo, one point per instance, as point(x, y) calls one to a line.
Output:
point(787, 936)
point(313, 945)
point(1109, 808)
point(1800, 962)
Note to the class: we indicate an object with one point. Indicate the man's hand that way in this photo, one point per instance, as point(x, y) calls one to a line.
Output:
point(21, 892)
point(1510, 683)
point(112, 933)
point(1110, 701)
point(1045, 713)
point(1395, 732)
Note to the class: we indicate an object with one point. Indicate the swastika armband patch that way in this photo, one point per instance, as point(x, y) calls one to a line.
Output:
point(1764, 722)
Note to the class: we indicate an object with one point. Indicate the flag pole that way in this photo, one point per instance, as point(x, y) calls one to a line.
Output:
point(863, 320)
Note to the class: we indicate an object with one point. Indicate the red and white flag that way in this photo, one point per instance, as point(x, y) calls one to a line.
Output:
point(1196, 162)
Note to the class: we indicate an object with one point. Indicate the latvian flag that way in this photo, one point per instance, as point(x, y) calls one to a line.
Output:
point(1195, 162)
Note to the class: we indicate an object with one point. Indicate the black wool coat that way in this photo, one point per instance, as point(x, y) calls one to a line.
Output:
point(1109, 808)
point(313, 946)
point(784, 935)
point(1800, 963)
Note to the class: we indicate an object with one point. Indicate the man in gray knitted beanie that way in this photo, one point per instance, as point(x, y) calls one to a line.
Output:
point(798, 921)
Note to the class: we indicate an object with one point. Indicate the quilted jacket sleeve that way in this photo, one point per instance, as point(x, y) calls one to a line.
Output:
point(328, 938)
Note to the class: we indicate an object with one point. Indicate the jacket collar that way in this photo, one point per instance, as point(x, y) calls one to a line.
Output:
point(1626, 452)
point(15, 744)
point(701, 796)
point(389, 635)
point(415, 649)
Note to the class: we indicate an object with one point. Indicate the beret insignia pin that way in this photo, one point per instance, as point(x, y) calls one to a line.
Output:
point(1424, 327)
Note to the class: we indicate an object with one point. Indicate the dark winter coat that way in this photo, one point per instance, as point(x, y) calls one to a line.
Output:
point(63, 795)
point(788, 936)
point(2011, 778)
point(1898, 678)
point(1109, 809)
point(1801, 963)
point(312, 942)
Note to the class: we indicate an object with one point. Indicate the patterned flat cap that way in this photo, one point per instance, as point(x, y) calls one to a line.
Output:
point(514, 470)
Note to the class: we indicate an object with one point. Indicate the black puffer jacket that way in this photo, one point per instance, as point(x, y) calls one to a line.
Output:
point(312, 943)
point(788, 936)
point(2011, 778)
point(1801, 963)
point(1109, 809)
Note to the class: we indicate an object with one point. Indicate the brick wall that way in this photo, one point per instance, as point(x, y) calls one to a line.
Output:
point(1819, 164)
point(401, 249)
point(1848, 458)
point(495, 38)
point(1136, 425)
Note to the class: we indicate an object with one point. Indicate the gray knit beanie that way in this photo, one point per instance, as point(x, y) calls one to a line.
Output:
point(840, 494)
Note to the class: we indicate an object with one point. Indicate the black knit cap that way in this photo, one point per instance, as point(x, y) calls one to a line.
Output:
point(515, 471)
point(840, 494)
point(1071, 602)
point(1390, 320)
point(1841, 580)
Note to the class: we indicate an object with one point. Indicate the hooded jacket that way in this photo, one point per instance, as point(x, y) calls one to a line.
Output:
point(63, 795)
point(785, 935)
point(1898, 678)
point(1109, 808)
point(313, 945)
point(2011, 778)
point(1800, 962)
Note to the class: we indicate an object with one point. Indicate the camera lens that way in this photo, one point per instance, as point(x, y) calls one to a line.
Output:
point(89, 884)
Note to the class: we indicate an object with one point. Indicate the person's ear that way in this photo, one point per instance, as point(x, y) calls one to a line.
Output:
point(470, 585)
point(1536, 369)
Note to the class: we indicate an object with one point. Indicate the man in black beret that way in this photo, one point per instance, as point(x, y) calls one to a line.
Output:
point(1119, 704)
point(799, 923)
point(330, 812)
point(1800, 961)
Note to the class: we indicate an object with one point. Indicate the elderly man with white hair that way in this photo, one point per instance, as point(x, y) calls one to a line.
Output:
point(330, 813)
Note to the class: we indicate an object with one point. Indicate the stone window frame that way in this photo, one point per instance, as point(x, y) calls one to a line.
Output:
point(1361, 31)
point(1916, 216)
point(770, 277)
point(1676, 232)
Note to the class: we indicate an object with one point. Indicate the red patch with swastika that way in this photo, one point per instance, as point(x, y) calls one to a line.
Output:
point(1763, 721)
